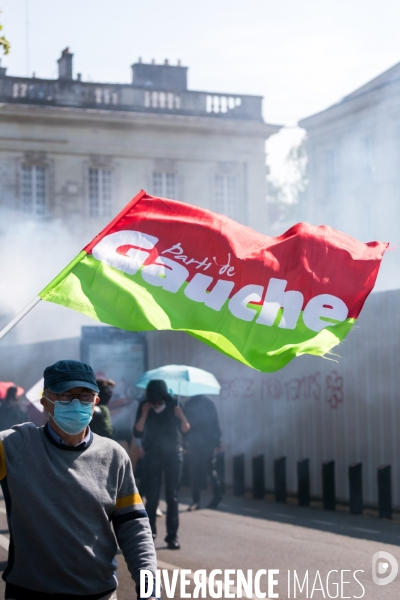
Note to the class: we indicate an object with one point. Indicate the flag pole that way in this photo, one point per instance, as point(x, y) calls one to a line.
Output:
point(20, 316)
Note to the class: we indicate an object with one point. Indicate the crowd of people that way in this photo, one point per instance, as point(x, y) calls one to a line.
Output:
point(164, 432)
point(75, 478)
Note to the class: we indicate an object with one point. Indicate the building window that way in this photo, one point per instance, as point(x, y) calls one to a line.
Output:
point(100, 192)
point(225, 193)
point(164, 184)
point(34, 189)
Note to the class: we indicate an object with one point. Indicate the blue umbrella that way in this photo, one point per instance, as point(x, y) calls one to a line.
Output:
point(182, 380)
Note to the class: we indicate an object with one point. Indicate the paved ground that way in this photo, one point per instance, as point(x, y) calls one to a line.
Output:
point(252, 534)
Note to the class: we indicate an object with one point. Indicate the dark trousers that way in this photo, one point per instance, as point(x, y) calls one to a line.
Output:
point(202, 465)
point(154, 467)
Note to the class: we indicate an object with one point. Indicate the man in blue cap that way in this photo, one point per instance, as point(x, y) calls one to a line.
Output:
point(67, 492)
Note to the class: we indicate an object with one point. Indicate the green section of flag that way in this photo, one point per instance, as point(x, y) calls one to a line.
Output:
point(128, 302)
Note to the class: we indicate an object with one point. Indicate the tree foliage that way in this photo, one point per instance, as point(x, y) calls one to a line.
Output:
point(4, 43)
point(284, 193)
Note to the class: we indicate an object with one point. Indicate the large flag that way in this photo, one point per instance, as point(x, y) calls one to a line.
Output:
point(162, 264)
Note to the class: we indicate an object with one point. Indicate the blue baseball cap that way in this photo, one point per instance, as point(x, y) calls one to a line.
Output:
point(67, 374)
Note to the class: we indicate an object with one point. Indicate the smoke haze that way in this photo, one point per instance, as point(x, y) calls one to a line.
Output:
point(32, 253)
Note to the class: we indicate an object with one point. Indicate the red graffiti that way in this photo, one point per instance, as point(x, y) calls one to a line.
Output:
point(334, 389)
point(271, 389)
point(238, 388)
point(310, 387)
point(293, 389)
point(314, 386)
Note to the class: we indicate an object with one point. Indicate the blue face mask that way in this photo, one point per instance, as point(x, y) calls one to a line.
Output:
point(72, 418)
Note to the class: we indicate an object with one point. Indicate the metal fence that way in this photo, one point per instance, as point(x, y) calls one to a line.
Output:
point(346, 410)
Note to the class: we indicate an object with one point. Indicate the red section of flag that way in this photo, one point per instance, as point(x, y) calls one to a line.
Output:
point(313, 260)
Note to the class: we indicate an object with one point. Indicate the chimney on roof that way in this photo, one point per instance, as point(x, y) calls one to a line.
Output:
point(65, 65)
point(165, 77)
point(166, 62)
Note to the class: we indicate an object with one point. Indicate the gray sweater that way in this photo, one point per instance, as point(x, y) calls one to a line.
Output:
point(61, 502)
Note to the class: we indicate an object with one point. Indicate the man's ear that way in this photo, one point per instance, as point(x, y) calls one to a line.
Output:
point(96, 400)
point(43, 402)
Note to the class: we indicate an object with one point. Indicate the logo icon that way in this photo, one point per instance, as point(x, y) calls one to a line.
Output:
point(380, 566)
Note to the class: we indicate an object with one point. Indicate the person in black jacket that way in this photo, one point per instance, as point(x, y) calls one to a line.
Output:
point(160, 423)
point(11, 411)
point(204, 441)
point(101, 421)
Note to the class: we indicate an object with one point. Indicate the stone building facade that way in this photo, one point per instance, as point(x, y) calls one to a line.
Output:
point(79, 151)
point(73, 153)
point(353, 168)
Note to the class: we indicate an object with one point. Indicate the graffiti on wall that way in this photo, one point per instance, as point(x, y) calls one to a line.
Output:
point(309, 387)
point(334, 389)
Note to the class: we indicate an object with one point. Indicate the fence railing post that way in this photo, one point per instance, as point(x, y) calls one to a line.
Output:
point(303, 482)
point(328, 485)
point(385, 492)
point(238, 475)
point(258, 476)
point(356, 491)
point(280, 479)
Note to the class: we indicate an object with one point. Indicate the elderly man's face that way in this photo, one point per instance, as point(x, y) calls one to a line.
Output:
point(76, 391)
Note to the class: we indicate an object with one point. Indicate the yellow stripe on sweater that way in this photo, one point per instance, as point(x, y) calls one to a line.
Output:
point(3, 467)
point(128, 501)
